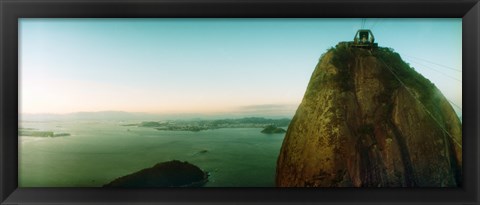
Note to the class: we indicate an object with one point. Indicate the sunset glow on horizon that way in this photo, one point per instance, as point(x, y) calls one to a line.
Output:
point(201, 65)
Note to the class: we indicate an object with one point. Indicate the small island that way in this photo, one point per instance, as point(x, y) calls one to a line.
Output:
point(272, 129)
point(166, 174)
point(37, 133)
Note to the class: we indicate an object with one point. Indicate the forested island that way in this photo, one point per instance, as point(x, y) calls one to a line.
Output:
point(166, 174)
point(272, 129)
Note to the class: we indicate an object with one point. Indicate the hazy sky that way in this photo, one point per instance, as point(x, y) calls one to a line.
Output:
point(208, 65)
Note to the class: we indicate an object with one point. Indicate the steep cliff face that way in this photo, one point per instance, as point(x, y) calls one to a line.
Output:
point(368, 119)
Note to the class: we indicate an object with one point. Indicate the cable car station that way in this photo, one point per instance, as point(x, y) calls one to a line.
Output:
point(364, 39)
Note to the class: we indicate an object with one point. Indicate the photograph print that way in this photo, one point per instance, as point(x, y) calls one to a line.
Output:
point(240, 102)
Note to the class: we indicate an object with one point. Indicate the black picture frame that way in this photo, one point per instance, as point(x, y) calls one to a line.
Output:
point(11, 10)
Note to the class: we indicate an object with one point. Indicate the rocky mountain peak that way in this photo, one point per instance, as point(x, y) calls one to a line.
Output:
point(368, 119)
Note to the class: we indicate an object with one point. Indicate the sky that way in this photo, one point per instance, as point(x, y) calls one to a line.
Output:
point(208, 65)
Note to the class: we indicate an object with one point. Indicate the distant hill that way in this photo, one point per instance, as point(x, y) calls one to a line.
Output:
point(132, 116)
point(103, 115)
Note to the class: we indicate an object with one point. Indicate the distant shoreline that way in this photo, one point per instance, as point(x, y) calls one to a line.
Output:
point(199, 125)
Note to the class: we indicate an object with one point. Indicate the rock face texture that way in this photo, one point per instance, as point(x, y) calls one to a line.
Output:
point(167, 174)
point(368, 119)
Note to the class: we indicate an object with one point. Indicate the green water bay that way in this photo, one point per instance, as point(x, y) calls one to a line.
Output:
point(97, 152)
